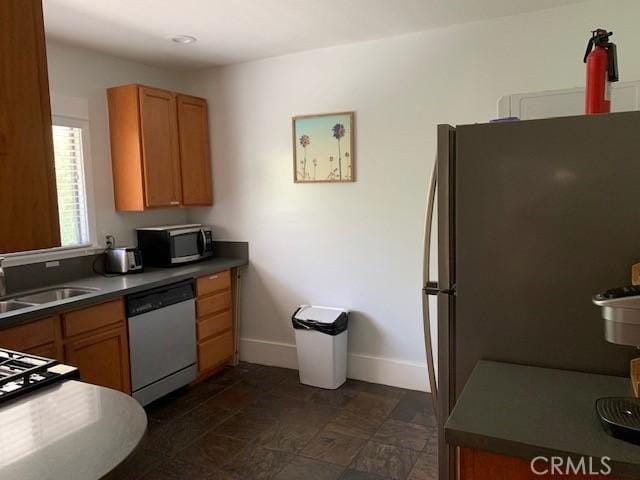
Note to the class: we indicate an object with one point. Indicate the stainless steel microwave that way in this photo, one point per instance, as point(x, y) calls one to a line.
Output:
point(175, 244)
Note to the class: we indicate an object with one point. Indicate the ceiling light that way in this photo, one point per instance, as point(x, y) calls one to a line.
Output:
point(184, 39)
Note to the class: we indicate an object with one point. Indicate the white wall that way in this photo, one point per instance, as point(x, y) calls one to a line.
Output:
point(84, 75)
point(359, 245)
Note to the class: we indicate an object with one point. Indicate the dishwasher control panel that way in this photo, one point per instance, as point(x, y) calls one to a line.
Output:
point(143, 302)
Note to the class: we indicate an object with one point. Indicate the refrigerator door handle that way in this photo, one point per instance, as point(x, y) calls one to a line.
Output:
point(426, 320)
point(432, 288)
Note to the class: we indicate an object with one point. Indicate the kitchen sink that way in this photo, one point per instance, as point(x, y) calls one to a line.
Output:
point(10, 305)
point(55, 294)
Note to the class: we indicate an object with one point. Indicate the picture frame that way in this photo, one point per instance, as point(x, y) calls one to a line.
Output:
point(324, 148)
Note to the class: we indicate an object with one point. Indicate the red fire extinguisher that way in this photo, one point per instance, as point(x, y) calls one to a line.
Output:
point(602, 69)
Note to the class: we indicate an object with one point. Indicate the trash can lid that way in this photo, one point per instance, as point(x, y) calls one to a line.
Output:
point(319, 314)
point(327, 320)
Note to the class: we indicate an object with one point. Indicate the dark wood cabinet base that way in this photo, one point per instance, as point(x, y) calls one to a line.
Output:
point(476, 464)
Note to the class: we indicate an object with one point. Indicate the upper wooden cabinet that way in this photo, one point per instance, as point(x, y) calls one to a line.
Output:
point(29, 213)
point(159, 148)
point(160, 153)
point(195, 165)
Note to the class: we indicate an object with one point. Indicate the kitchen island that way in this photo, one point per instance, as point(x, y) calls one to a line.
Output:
point(509, 414)
point(69, 431)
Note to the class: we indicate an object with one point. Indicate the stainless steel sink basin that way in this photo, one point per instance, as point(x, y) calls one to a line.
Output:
point(54, 294)
point(10, 305)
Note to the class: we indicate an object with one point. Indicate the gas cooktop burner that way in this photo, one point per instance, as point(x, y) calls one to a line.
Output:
point(21, 373)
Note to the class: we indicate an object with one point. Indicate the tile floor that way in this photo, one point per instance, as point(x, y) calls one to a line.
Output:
point(256, 422)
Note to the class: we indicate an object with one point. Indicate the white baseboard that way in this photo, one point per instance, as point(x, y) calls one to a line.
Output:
point(264, 352)
point(386, 371)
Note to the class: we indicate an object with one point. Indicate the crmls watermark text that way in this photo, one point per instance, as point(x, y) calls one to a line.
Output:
point(571, 466)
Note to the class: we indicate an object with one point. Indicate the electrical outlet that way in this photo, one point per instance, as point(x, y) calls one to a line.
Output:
point(109, 241)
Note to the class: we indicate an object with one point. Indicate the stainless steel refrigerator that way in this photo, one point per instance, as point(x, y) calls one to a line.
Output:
point(533, 218)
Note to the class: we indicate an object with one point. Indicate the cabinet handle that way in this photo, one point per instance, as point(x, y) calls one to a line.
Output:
point(213, 277)
point(175, 202)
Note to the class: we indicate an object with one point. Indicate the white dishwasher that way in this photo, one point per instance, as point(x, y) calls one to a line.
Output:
point(162, 340)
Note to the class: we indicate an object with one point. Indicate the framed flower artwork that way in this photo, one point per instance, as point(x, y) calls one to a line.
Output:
point(323, 148)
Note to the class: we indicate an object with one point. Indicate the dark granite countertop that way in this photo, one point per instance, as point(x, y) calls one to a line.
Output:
point(528, 411)
point(69, 431)
point(117, 286)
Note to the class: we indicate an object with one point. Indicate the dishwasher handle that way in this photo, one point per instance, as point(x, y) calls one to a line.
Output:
point(160, 297)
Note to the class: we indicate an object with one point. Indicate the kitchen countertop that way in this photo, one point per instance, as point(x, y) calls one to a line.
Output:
point(68, 431)
point(116, 286)
point(529, 411)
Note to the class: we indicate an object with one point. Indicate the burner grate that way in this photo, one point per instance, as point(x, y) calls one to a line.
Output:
point(23, 372)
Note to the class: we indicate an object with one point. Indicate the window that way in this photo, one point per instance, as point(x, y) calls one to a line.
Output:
point(70, 182)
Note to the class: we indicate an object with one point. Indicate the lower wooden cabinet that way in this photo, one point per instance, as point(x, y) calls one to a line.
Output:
point(214, 324)
point(95, 340)
point(213, 303)
point(40, 337)
point(476, 464)
point(215, 351)
point(50, 350)
point(103, 358)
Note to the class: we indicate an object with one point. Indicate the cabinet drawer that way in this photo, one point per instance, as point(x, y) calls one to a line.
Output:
point(213, 303)
point(209, 326)
point(214, 351)
point(49, 351)
point(212, 283)
point(92, 318)
point(25, 337)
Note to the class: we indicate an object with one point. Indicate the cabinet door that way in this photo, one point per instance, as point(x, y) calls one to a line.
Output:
point(160, 153)
point(50, 350)
point(41, 337)
point(29, 213)
point(103, 359)
point(195, 164)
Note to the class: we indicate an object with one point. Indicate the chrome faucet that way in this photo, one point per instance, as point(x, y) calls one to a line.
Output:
point(3, 279)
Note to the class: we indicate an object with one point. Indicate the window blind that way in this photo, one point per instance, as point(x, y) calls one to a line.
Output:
point(72, 203)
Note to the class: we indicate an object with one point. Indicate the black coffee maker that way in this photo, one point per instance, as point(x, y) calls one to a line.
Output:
point(620, 416)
